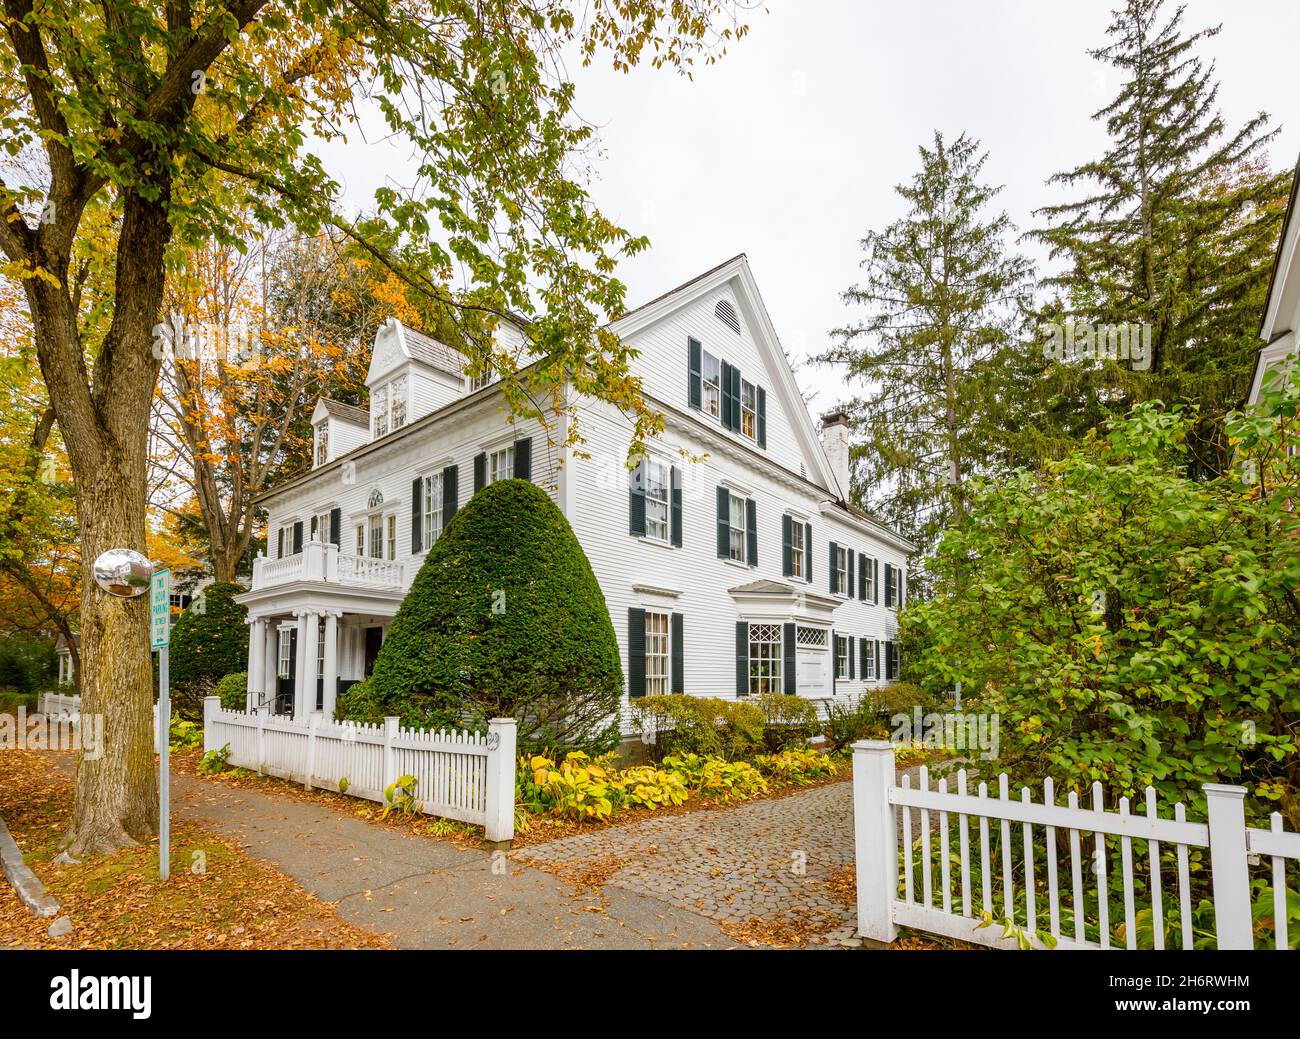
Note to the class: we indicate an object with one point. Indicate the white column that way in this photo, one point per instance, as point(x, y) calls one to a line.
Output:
point(331, 663)
point(270, 666)
point(304, 685)
point(256, 660)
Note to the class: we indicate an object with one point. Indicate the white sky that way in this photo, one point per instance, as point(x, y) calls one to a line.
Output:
point(788, 149)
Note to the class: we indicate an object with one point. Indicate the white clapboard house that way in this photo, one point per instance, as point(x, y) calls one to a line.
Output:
point(1281, 325)
point(737, 574)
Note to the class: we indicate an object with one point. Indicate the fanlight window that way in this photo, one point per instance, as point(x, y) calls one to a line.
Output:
point(376, 498)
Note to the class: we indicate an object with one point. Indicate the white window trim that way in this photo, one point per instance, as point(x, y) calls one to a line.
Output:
point(871, 576)
point(776, 660)
point(430, 507)
point(664, 658)
point(841, 676)
point(663, 463)
point(842, 572)
point(800, 525)
point(705, 385)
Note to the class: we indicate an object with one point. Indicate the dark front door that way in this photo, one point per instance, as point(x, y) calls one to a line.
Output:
point(374, 639)
point(284, 684)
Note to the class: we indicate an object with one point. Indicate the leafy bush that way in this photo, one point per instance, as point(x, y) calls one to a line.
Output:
point(185, 734)
point(788, 721)
point(208, 642)
point(645, 786)
point(504, 619)
point(717, 779)
point(578, 788)
point(799, 766)
point(214, 761)
point(1128, 624)
point(233, 690)
point(707, 726)
point(847, 722)
point(28, 664)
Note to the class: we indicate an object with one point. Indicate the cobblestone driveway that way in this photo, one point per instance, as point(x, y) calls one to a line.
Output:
point(768, 861)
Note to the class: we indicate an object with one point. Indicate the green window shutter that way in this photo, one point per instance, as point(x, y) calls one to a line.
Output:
point(724, 523)
point(880, 664)
point(751, 531)
point(417, 514)
point(901, 584)
point(848, 572)
point(480, 471)
point(850, 656)
point(523, 465)
point(635, 651)
point(636, 500)
point(742, 658)
point(807, 551)
point(675, 510)
point(678, 656)
point(450, 492)
point(835, 660)
point(875, 594)
point(889, 661)
point(862, 576)
point(336, 523)
point(762, 418)
point(787, 528)
point(862, 658)
point(297, 537)
point(694, 376)
point(790, 679)
point(735, 398)
point(834, 570)
point(727, 397)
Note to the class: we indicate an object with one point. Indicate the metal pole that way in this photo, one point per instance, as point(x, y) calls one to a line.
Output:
point(164, 766)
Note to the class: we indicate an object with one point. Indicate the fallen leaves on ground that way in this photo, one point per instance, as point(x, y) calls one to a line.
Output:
point(217, 898)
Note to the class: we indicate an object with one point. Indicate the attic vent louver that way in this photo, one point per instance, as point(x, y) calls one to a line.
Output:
point(726, 313)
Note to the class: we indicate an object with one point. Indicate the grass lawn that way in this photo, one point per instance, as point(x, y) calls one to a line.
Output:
point(218, 897)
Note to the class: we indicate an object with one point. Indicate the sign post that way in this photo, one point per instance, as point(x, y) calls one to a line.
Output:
point(160, 629)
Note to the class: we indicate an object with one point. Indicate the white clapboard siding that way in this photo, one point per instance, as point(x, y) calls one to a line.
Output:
point(466, 776)
point(1101, 844)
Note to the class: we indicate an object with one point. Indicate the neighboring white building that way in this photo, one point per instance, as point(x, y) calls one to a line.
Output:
point(63, 656)
point(733, 575)
point(1282, 310)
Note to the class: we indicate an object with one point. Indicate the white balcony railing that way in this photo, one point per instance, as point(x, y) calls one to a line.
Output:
point(324, 562)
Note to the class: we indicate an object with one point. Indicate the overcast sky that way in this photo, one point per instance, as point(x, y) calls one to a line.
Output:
point(789, 148)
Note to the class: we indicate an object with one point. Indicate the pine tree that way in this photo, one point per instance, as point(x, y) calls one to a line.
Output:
point(944, 295)
point(1174, 230)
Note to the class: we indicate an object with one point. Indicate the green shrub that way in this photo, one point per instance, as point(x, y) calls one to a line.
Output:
point(504, 619)
point(701, 725)
point(209, 641)
point(28, 664)
point(848, 722)
point(800, 766)
point(717, 779)
point(214, 761)
point(233, 690)
point(788, 721)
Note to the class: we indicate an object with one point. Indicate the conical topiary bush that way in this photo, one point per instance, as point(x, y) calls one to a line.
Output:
point(504, 619)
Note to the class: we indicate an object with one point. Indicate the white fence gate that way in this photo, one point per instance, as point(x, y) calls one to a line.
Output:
point(465, 776)
point(964, 905)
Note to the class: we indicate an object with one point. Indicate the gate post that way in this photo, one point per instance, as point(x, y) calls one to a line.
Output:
point(1229, 874)
point(875, 839)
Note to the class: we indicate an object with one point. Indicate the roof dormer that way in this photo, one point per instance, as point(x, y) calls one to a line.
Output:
point(337, 428)
point(410, 375)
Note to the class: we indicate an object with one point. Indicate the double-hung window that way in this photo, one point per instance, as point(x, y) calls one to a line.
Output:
point(841, 656)
point(397, 401)
point(361, 539)
point(500, 464)
point(868, 659)
point(392, 535)
point(432, 509)
point(656, 653)
point(656, 499)
point(869, 578)
point(842, 570)
point(764, 659)
point(322, 444)
point(320, 526)
point(711, 378)
point(736, 523)
point(748, 409)
point(379, 411)
point(797, 550)
point(377, 536)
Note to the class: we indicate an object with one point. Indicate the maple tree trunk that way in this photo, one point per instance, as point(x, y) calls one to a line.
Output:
point(105, 432)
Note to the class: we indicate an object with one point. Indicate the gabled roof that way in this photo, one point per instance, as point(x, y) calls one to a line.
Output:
point(737, 273)
point(345, 412)
point(415, 346)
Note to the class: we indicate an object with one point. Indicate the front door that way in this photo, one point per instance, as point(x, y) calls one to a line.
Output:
point(812, 662)
point(374, 639)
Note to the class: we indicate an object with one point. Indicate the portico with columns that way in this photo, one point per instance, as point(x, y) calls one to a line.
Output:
point(310, 636)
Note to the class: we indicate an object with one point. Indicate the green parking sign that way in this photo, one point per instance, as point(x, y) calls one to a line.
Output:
point(160, 609)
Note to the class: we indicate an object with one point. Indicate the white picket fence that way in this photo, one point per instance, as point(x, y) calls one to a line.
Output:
point(959, 897)
point(58, 703)
point(465, 776)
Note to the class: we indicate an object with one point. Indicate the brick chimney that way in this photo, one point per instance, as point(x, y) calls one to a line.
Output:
point(835, 442)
